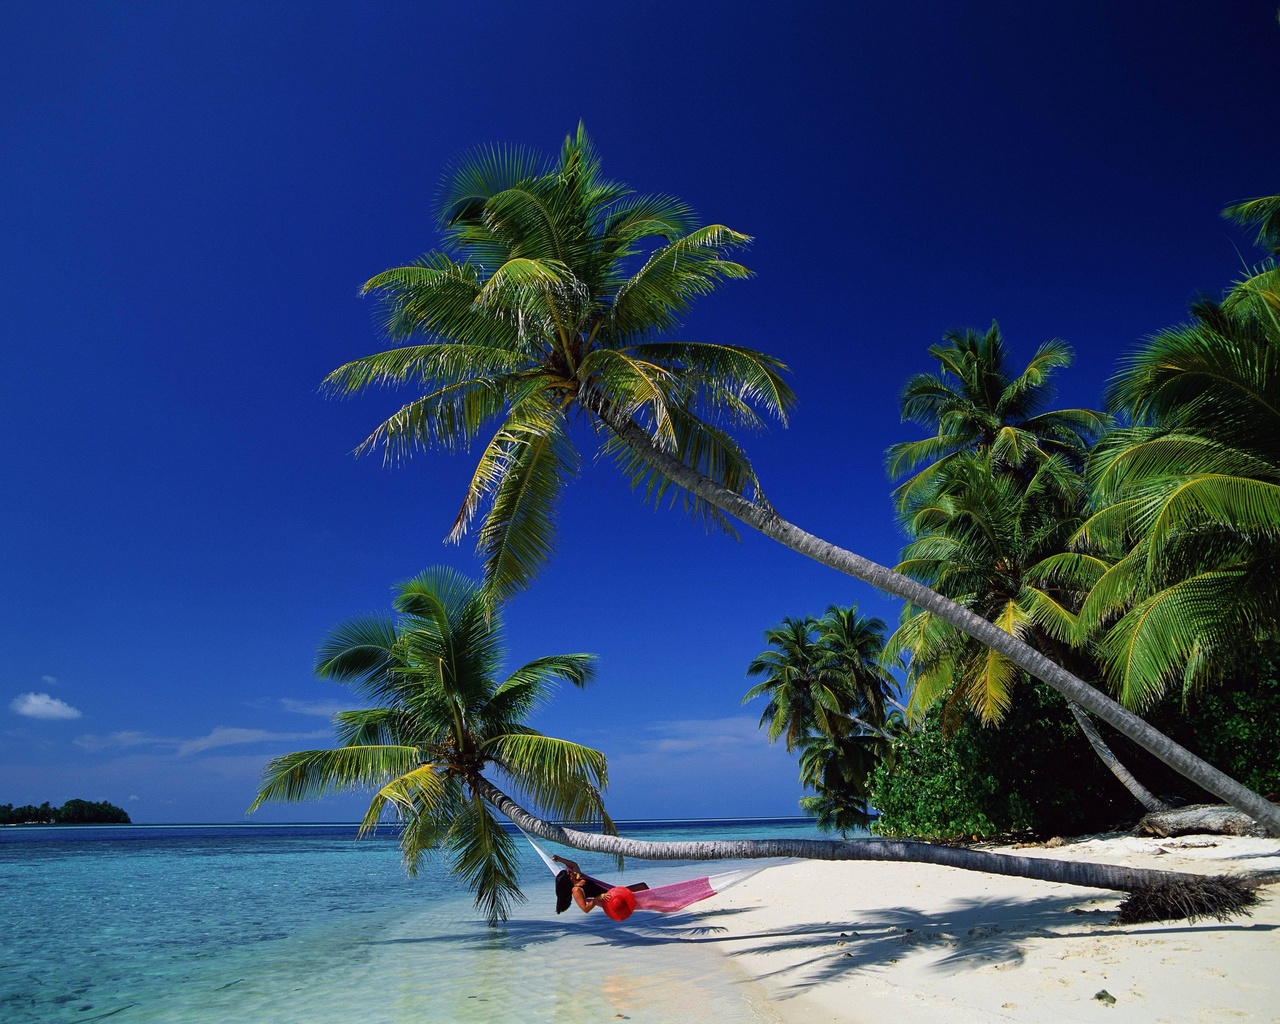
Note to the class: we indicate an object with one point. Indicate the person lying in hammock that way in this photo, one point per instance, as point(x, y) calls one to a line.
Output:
point(572, 886)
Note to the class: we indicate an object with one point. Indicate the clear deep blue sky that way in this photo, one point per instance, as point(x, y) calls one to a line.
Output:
point(191, 196)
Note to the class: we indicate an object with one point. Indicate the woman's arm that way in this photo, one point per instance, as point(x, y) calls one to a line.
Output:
point(572, 865)
point(585, 904)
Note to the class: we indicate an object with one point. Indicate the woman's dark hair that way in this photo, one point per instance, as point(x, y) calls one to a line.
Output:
point(564, 891)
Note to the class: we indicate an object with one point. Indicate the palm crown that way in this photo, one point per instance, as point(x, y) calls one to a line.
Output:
point(549, 301)
point(817, 672)
point(1188, 500)
point(996, 545)
point(975, 405)
point(441, 717)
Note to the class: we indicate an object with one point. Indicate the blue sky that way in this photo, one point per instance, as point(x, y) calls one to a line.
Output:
point(191, 196)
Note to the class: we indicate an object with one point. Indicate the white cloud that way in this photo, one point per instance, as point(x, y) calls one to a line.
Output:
point(133, 798)
point(321, 708)
point(41, 705)
point(226, 737)
point(698, 736)
point(119, 740)
point(49, 680)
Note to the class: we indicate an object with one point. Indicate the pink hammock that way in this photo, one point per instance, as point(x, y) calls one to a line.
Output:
point(667, 899)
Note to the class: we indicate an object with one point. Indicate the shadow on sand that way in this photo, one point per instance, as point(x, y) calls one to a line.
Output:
point(970, 934)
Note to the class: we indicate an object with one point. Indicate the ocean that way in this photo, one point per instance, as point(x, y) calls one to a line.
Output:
point(302, 923)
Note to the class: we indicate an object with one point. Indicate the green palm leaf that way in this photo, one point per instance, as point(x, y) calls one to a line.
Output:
point(309, 774)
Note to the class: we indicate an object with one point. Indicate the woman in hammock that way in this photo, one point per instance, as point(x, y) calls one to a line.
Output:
point(572, 886)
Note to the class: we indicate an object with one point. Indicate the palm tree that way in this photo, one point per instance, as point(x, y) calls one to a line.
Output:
point(1160, 891)
point(442, 718)
point(1188, 501)
point(827, 691)
point(998, 546)
point(1263, 211)
point(974, 405)
point(535, 318)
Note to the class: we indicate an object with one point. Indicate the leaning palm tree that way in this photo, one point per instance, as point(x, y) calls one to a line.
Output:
point(442, 718)
point(1153, 895)
point(547, 307)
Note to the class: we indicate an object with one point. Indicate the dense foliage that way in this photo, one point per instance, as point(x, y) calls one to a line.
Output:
point(73, 812)
point(1155, 572)
point(829, 695)
point(548, 304)
point(1032, 773)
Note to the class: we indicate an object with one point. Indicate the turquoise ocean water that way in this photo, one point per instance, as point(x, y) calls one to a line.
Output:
point(301, 923)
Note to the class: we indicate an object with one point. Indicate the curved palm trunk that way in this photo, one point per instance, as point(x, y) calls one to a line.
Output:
point(1093, 876)
point(1140, 792)
point(761, 516)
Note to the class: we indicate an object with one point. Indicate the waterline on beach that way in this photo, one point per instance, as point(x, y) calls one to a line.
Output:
point(302, 923)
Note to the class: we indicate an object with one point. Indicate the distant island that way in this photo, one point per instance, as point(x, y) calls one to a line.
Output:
point(73, 812)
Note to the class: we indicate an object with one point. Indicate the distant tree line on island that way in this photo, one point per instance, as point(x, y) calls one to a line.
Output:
point(73, 812)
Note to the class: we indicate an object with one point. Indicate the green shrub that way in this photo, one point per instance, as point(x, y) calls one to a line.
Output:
point(1034, 773)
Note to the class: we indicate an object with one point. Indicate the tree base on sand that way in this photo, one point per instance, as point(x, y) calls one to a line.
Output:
point(1222, 897)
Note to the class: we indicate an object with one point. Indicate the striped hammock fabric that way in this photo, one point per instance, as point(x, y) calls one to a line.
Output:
point(667, 899)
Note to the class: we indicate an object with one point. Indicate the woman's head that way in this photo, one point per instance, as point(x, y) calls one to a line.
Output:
point(564, 891)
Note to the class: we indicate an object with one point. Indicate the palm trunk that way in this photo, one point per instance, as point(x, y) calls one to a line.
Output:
point(1140, 792)
point(1090, 875)
point(761, 516)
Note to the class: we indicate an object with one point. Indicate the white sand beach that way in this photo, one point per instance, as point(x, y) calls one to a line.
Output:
point(868, 942)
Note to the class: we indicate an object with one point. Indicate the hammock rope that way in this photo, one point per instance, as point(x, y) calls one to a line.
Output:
point(667, 899)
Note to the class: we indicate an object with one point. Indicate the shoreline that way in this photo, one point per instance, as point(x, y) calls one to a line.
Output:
point(862, 942)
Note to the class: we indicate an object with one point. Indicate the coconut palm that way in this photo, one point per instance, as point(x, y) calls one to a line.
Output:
point(441, 718)
point(827, 691)
point(1162, 893)
point(839, 768)
point(821, 675)
point(998, 546)
point(1264, 212)
point(547, 308)
point(802, 699)
point(974, 404)
point(1188, 501)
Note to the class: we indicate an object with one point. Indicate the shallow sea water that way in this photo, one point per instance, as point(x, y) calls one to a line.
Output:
point(286, 923)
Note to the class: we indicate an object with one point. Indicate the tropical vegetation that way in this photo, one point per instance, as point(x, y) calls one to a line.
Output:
point(1154, 572)
point(830, 696)
point(441, 718)
point(549, 305)
point(1187, 500)
point(73, 812)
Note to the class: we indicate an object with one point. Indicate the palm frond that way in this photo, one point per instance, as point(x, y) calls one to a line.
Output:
point(518, 535)
point(565, 779)
point(1145, 651)
point(484, 854)
point(308, 774)
point(418, 794)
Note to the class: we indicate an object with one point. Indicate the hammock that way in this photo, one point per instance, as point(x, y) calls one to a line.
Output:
point(667, 899)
